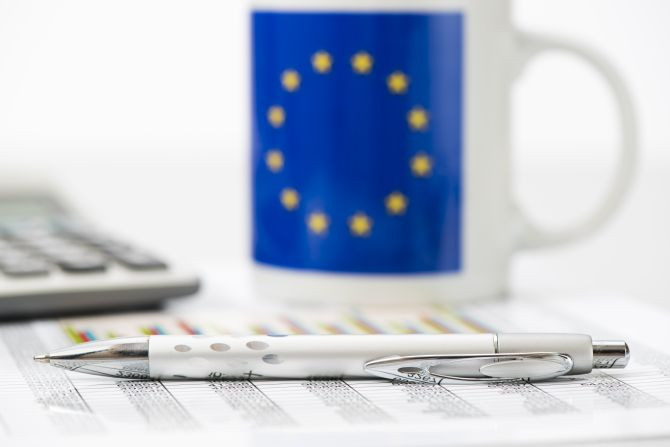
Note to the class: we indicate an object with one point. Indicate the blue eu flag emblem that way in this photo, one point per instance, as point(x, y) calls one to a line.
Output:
point(357, 141)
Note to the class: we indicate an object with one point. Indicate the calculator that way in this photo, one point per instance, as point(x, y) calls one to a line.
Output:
point(52, 261)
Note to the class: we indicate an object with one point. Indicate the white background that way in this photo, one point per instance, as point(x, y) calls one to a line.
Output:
point(138, 111)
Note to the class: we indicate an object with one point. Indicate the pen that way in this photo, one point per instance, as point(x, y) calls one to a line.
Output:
point(413, 358)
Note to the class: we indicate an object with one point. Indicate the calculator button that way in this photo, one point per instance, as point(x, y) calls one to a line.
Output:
point(81, 264)
point(28, 233)
point(137, 260)
point(29, 267)
point(13, 255)
point(105, 243)
point(65, 252)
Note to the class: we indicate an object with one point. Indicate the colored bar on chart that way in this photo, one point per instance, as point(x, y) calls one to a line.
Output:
point(191, 330)
point(333, 329)
point(365, 325)
point(404, 328)
point(264, 329)
point(83, 336)
point(90, 335)
point(73, 334)
point(295, 327)
point(467, 322)
point(436, 324)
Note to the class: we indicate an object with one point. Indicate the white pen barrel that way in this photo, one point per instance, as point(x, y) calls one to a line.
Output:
point(295, 357)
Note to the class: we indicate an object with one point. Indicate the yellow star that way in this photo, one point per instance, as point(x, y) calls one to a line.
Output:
point(274, 160)
point(322, 62)
point(417, 118)
point(318, 222)
point(362, 62)
point(290, 79)
point(421, 165)
point(397, 82)
point(360, 224)
point(290, 198)
point(276, 116)
point(396, 203)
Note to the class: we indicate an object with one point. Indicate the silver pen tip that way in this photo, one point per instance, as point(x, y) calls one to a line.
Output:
point(42, 358)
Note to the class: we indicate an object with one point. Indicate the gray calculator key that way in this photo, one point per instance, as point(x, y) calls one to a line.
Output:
point(28, 267)
point(13, 255)
point(137, 260)
point(81, 264)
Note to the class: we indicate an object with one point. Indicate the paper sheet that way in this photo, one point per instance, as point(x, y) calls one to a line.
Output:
point(633, 402)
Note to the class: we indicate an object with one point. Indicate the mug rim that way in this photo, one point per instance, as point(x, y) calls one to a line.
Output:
point(369, 5)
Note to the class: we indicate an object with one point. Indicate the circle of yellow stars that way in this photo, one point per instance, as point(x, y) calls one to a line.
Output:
point(418, 120)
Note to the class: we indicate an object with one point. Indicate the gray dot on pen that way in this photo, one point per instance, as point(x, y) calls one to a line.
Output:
point(257, 345)
point(219, 347)
point(182, 348)
point(272, 359)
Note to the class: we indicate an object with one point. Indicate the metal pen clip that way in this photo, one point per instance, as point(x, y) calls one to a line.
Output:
point(513, 367)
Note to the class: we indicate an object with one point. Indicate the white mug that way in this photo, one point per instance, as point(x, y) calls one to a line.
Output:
point(381, 152)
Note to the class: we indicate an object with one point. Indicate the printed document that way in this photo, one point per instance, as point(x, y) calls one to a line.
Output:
point(36, 399)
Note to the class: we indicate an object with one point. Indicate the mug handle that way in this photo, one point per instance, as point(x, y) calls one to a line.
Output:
point(534, 236)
